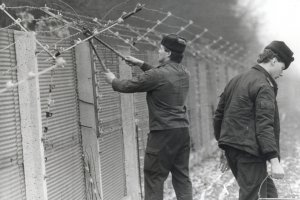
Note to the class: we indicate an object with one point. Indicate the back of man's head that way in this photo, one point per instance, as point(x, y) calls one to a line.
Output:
point(176, 45)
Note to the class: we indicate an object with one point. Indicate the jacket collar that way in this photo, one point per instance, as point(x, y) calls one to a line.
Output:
point(268, 76)
point(167, 62)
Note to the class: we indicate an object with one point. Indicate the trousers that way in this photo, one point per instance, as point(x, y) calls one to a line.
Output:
point(167, 151)
point(250, 172)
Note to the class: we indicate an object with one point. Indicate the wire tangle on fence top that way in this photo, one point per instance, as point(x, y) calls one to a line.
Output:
point(88, 19)
point(202, 44)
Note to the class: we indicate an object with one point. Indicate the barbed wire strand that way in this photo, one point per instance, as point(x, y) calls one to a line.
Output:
point(149, 9)
point(97, 32)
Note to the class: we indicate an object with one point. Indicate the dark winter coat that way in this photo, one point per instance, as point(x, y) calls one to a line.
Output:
point(167, 89)
point(247, 114)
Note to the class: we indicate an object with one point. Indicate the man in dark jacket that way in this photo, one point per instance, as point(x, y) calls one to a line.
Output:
point(168, 145)
point(246, 123)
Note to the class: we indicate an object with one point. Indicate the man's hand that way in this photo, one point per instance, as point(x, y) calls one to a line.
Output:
point(277, 171)
point(133, 61)
point(223, 162)
point(109, 76)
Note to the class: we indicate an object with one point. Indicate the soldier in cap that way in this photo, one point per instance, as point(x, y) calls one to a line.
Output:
point(168, 145)
point(246, 123)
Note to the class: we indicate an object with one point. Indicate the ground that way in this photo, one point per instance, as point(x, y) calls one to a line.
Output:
point(210, 184)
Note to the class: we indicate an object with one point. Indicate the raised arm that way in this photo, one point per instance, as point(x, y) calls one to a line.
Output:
point(130, 60)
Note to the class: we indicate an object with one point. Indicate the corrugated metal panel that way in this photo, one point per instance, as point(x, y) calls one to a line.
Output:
point(12, 181)
point(141, 118)
point(112, 165)
point(63, 149)
point(111, 139)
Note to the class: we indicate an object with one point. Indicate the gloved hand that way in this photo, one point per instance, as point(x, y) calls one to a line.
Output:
point(109, 76)
point(130, 60)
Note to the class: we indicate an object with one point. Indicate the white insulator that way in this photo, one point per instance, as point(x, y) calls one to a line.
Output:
point(60, 62)
point(2, 7)
point(10, 84)
point(120, 20)
point(95, 31)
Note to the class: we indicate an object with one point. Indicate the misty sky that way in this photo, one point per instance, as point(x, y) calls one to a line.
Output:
point(280, 21)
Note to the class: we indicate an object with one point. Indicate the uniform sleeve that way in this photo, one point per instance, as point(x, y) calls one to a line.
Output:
point(218, 117)
point(145, 82)
point(265, 113)
point(146, 67)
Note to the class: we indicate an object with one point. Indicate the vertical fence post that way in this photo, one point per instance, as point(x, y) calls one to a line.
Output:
point(31, 119)
point(129, 134)
point(88, 119)
point(205, 103)
point(193, 105)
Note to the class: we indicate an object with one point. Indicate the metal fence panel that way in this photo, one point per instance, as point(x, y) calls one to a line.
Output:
point(63, 149)
point(110, 124)
point(12, 180)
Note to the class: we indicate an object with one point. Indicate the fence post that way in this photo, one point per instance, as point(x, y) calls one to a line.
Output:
point(31, 119)
point(204, 101)
point(193, 104)
point(129, 134)
point(88, 112)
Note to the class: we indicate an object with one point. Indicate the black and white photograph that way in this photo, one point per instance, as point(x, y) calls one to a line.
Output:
point(149, 100)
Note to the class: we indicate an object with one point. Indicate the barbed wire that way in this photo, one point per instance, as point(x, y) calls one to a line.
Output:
point(145, 20)
point(140, 33)
point(7, 47)
point(59, 60)
point(61, 40)
point(154, 22)
point(7, 27)
point(53, 30)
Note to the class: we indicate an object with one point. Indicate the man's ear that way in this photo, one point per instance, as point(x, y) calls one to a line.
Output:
point(169, 53)
point(273, 61)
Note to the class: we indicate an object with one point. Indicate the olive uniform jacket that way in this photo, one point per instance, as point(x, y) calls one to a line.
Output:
point(247, 114)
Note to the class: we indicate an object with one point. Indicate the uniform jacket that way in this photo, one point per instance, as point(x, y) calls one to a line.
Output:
point(247, 114)
point(167, 88)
